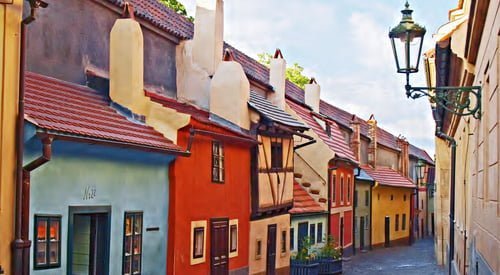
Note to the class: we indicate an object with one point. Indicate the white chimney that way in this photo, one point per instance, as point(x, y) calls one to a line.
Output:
point(126, 62)
point(230, 92)
point(311, 94)
point(208, 34)
point(277, 79)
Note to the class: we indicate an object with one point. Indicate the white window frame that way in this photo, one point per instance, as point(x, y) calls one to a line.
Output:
point(231, 223)
point(196, 224)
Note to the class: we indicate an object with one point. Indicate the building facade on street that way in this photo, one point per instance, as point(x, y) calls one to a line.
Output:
point(363, 185)
point(466, 54)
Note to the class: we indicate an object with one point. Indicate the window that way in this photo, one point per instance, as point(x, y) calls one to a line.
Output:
point(392, 197)
point(47, 245)
point(312, 233)
point(348, 189)
point(198, 241)
point(367, 198)
point(403, 222)
point(334, 186)
point(396, 223)
point(258, 249)
point(132, 243)
point(356, 198)
point(233, 242)
point(422, 204)
point(328, 129)
point(292, 239)
point(283, 241)
point(217, 162)
point(366, 222)
point(341, 188)
point(276, 155)
point(320, 233)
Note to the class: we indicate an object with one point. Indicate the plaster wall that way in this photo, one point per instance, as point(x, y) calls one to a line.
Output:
point(63, 54)
point(362, 210)
point(364, 151)
point(310, 219)
point(10, 18)
point(383, 206)
point(122, 179)
point(387, 158)
point(258, 232)
point(311, 176)
point(442, 205)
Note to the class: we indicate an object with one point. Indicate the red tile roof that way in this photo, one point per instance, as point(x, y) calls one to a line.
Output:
point(68, 108)
point(336, 142)
point(421, 154)
point(388, 177)
point(302, 202)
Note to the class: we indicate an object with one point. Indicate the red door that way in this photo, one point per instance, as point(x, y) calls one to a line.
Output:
point(219, 249)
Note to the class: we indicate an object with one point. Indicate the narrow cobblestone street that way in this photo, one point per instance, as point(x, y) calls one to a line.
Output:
point(415, 259)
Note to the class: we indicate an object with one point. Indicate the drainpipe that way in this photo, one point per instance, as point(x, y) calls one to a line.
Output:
point(20, 245)
point(453, 144)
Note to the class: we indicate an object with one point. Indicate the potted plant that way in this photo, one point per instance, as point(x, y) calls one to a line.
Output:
point(330, 258)
point(304, 262)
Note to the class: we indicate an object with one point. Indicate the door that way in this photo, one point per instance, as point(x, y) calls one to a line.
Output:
point(342, 234)
point(89, 244)
point(362, 233)
point(387, 228)
point(271, 249)
point(432, 223)
point(303, 227)
point(219, 247)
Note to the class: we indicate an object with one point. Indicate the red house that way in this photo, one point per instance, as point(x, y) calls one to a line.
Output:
point(209, 196)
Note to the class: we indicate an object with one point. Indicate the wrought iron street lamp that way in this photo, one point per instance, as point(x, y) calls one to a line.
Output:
point(407, 39)
point(420, 170)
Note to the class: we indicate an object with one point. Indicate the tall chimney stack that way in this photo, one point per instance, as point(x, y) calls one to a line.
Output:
point(404, 161)
point(277, 79)
point(356, 137)
point(372, 147)
point(312, 94)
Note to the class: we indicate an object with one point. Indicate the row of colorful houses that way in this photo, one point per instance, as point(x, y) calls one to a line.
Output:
point(149, 145)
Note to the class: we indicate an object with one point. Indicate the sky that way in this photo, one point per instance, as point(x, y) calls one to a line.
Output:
point(344, 44)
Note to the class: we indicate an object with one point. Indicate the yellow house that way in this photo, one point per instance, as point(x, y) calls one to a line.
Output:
point(466, 54)
point(10, 18)
point(391, 204)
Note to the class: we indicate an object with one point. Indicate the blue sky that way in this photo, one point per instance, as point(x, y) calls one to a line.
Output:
point(344, 45)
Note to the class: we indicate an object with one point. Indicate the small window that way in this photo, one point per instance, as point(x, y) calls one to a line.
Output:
point(334, 186)
point(392, 197)
point(348, 189)
point(355, 198)
point(132, 243)
point(47, 244)
point(312, 233)
point(283, 241)
point(198, 239)
point(341, 189)
point(396, 223)
point(367, 198)
point(276, 155)
point(292, 239)
point(319, 237)
point(217, 162)
point(366, 222)
point(233, 243)
point(258, 249)
point(403, 222)
point(328, 129)
point(422, 204)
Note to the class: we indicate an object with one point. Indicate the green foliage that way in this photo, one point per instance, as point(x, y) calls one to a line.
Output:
point(293, 73)
point(177, 7)
point(303, 253)
point(329, 250)
point(307, 252)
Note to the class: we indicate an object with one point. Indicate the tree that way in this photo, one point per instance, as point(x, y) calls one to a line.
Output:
point(293, 73)
point(177, 7)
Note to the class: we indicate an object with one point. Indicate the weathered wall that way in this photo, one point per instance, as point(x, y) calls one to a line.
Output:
point(63, 54)
point(382, 206)
point(362, 210)
point(123, 179)
point(310, 219)
point(195, 197)
point(10, 18)
point(258, 231)
point(387, 158)
point(442, 205)
point(364, 151)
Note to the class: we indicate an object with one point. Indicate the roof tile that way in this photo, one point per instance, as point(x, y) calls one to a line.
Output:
point(388, 177)
point(303, 202)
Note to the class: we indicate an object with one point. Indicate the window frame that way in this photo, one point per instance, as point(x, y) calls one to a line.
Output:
point(48, 219)
point(233, 224)
point(403, 222)
point(396, 223)
point(292, 238)
point(367, 198)
point(196, 227)
point(319, 234)
point(342, 193)
point(133, 215)
point(334, 190)
point(349, 189)
point(258, 249)
point(283, 249)
point(218, 157)
point(312, 233)
point(276, 155)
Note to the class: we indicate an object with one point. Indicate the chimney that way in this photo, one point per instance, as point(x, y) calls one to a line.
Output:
point(311, 94)
point(356, 137)
point(208, 34)
point(230, 92)
point(277, 80)
point(404, 160)
point(372, 147)
point(126, 62)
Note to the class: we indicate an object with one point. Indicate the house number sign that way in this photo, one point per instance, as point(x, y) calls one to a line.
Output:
point(89, 193)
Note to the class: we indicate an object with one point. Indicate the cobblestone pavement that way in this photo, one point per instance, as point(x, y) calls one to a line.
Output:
point(415, 259)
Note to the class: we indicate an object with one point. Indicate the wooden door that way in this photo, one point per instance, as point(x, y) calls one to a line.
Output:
point(302, 234)
point(342, 234)
point(219, 248)
point(387, 229)
point(271, 249)
point(362, 233)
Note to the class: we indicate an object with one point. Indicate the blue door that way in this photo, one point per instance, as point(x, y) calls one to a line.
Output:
point(302, 234)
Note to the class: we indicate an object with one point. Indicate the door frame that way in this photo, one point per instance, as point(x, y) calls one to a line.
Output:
point(361, 233)
point(82, 210)
point(387, 231)
point(212, 220)
point(269, 226)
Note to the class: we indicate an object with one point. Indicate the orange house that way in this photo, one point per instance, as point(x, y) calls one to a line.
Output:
point(209, 196)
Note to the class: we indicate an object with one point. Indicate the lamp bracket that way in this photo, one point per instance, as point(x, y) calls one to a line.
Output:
point(456, 100)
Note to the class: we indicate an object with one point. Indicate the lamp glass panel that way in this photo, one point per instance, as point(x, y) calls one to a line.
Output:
point(414, 52)
point(399, 53)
